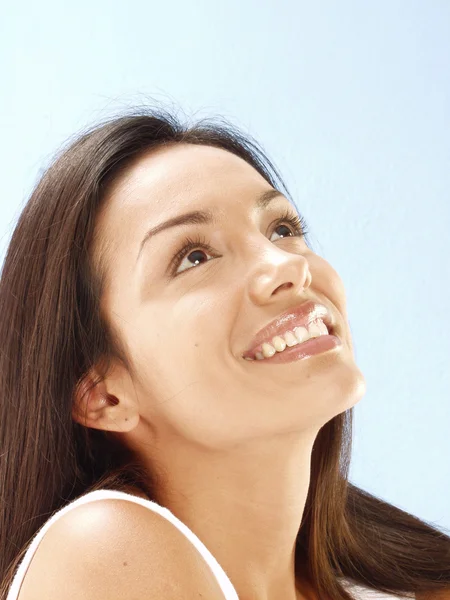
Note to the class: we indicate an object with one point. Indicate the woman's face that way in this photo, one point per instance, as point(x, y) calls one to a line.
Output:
point(187, 322)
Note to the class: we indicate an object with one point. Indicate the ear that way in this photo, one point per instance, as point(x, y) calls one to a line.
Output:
point(94, 407)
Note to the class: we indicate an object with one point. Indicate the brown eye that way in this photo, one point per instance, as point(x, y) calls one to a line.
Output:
point(295, 222)
point(286, 228)
point(197, 254)
point(294, 226)
point(195, 247)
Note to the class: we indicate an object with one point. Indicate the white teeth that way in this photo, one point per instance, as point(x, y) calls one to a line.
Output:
point(279, 343)
point(289, 339)
point(322, 327)
point(268, 350)
point(301, 333)
point(316, 330)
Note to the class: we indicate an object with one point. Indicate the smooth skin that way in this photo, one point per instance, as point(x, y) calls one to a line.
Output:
point(230, 440)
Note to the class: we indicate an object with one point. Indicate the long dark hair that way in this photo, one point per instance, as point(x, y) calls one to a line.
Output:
point(52, 333)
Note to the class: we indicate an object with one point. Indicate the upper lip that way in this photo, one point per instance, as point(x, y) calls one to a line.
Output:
point(301, 315)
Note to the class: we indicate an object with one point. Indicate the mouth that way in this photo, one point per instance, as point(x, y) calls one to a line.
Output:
point(324, 344)
point(298, 342)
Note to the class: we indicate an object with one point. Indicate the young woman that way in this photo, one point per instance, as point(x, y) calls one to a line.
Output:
point(177, 381)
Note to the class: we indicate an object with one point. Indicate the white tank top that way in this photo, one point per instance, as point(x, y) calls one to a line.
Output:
point(223, 580)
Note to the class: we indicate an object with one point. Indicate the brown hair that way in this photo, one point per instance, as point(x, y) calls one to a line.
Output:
point(52, 333)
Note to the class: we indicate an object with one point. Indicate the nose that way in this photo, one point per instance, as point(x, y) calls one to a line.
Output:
point(278, 272)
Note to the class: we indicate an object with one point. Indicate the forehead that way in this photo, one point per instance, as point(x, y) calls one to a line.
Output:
point(182, 174)
point(162, 184)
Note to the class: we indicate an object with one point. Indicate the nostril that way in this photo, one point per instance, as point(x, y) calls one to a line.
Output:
point(283, 286)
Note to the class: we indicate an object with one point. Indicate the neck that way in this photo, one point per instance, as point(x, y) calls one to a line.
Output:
point(245, 505)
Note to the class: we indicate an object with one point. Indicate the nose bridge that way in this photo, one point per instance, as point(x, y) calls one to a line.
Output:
point(274, 270)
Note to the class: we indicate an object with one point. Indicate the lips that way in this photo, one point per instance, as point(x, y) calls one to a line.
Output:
point(300, 316)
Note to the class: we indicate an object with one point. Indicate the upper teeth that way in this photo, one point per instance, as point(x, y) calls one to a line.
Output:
point(291, 338)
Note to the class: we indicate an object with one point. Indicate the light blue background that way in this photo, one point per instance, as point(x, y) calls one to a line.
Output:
point(352, 102)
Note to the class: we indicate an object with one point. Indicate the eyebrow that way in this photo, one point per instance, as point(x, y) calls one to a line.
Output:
point(201, 217)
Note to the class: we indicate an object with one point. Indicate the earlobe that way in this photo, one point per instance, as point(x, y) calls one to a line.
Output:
point(95, 408)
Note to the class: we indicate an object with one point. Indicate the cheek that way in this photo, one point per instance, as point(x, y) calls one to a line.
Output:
point(171, 362)
point(326, 281)
point(180, 389)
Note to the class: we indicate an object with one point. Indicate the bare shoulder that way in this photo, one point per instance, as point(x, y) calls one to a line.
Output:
point(116, 549)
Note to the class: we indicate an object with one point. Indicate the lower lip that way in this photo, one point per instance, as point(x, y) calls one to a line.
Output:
point(318, 345)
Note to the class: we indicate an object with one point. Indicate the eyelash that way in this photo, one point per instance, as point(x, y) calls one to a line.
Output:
point(298, 224)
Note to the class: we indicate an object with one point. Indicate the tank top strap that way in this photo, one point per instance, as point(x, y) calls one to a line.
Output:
point(222, 578)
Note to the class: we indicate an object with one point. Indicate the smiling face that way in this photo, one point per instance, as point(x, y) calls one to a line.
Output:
point(186, 321)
